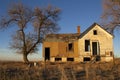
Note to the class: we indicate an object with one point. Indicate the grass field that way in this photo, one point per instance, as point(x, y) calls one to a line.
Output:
point(60, 71)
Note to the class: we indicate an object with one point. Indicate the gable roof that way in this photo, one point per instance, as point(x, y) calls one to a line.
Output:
point(71, 36)
point(92, 26)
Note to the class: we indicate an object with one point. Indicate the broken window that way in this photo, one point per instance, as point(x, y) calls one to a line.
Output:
point(111, 53)
point(86, 58)
point(87, 45)
point(95, 32)
point(58, 59)
point(70, 59)
point(70, 46)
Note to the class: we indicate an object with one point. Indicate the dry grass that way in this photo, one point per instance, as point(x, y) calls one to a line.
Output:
point(60, 71)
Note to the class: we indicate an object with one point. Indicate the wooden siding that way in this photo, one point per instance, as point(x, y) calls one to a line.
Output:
point(104, 39)
point(60, 49)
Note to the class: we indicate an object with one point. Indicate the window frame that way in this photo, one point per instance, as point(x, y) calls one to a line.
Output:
point(70, 47)
point(87, 45)
point(95, 32)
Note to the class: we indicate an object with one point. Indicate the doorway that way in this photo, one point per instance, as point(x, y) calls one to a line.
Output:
point(94, 48)
point(47, 54)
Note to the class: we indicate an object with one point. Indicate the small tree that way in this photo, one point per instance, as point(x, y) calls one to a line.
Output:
point(27, 38)
point(111, 14)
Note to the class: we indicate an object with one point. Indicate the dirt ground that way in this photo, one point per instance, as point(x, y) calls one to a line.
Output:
point(60, 71)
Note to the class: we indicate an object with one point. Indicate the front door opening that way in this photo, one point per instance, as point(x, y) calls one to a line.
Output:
point(47, 54)
point(94, 48)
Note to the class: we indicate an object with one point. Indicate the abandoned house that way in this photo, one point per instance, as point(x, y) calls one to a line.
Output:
point(95, 43)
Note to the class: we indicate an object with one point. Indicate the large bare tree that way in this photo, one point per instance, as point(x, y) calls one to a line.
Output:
point(32, 26)
point(111, 15)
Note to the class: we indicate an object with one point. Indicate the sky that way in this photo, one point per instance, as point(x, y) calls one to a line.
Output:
point(73, 13)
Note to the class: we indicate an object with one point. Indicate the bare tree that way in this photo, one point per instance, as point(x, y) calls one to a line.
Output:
point(111, 15)
point(27, 38)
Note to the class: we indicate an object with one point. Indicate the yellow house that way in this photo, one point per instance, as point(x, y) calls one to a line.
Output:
point(95, 43)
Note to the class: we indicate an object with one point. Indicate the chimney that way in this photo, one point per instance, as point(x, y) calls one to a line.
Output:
point(78, 29)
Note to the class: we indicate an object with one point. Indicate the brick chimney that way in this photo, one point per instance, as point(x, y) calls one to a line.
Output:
point(78, 29)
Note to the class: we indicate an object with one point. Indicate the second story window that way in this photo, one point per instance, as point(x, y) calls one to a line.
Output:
point(70, 46)
point(94, 32)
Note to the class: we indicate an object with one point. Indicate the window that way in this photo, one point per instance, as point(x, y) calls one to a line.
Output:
point(95, 32)
point(70, 59)
point(70, 46)
point(111, 53)
point(86, 58)
point(87, 45)
point(58, 59)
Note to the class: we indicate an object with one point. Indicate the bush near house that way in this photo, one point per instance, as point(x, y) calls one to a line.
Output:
point(60, 71)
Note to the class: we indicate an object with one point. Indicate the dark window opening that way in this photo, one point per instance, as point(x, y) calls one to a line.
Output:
point(70, 59)
point(70, 46)
point(86, 59)
point(95, 32)
point(58, 59)
point(87, 45)
point(111, 53)
point(97, 58)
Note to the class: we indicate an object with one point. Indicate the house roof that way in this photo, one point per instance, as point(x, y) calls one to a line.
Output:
point(92, 26)
point(59, 37)
point(70, 36)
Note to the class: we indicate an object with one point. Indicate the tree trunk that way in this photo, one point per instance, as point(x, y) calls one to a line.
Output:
point(25, 59)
